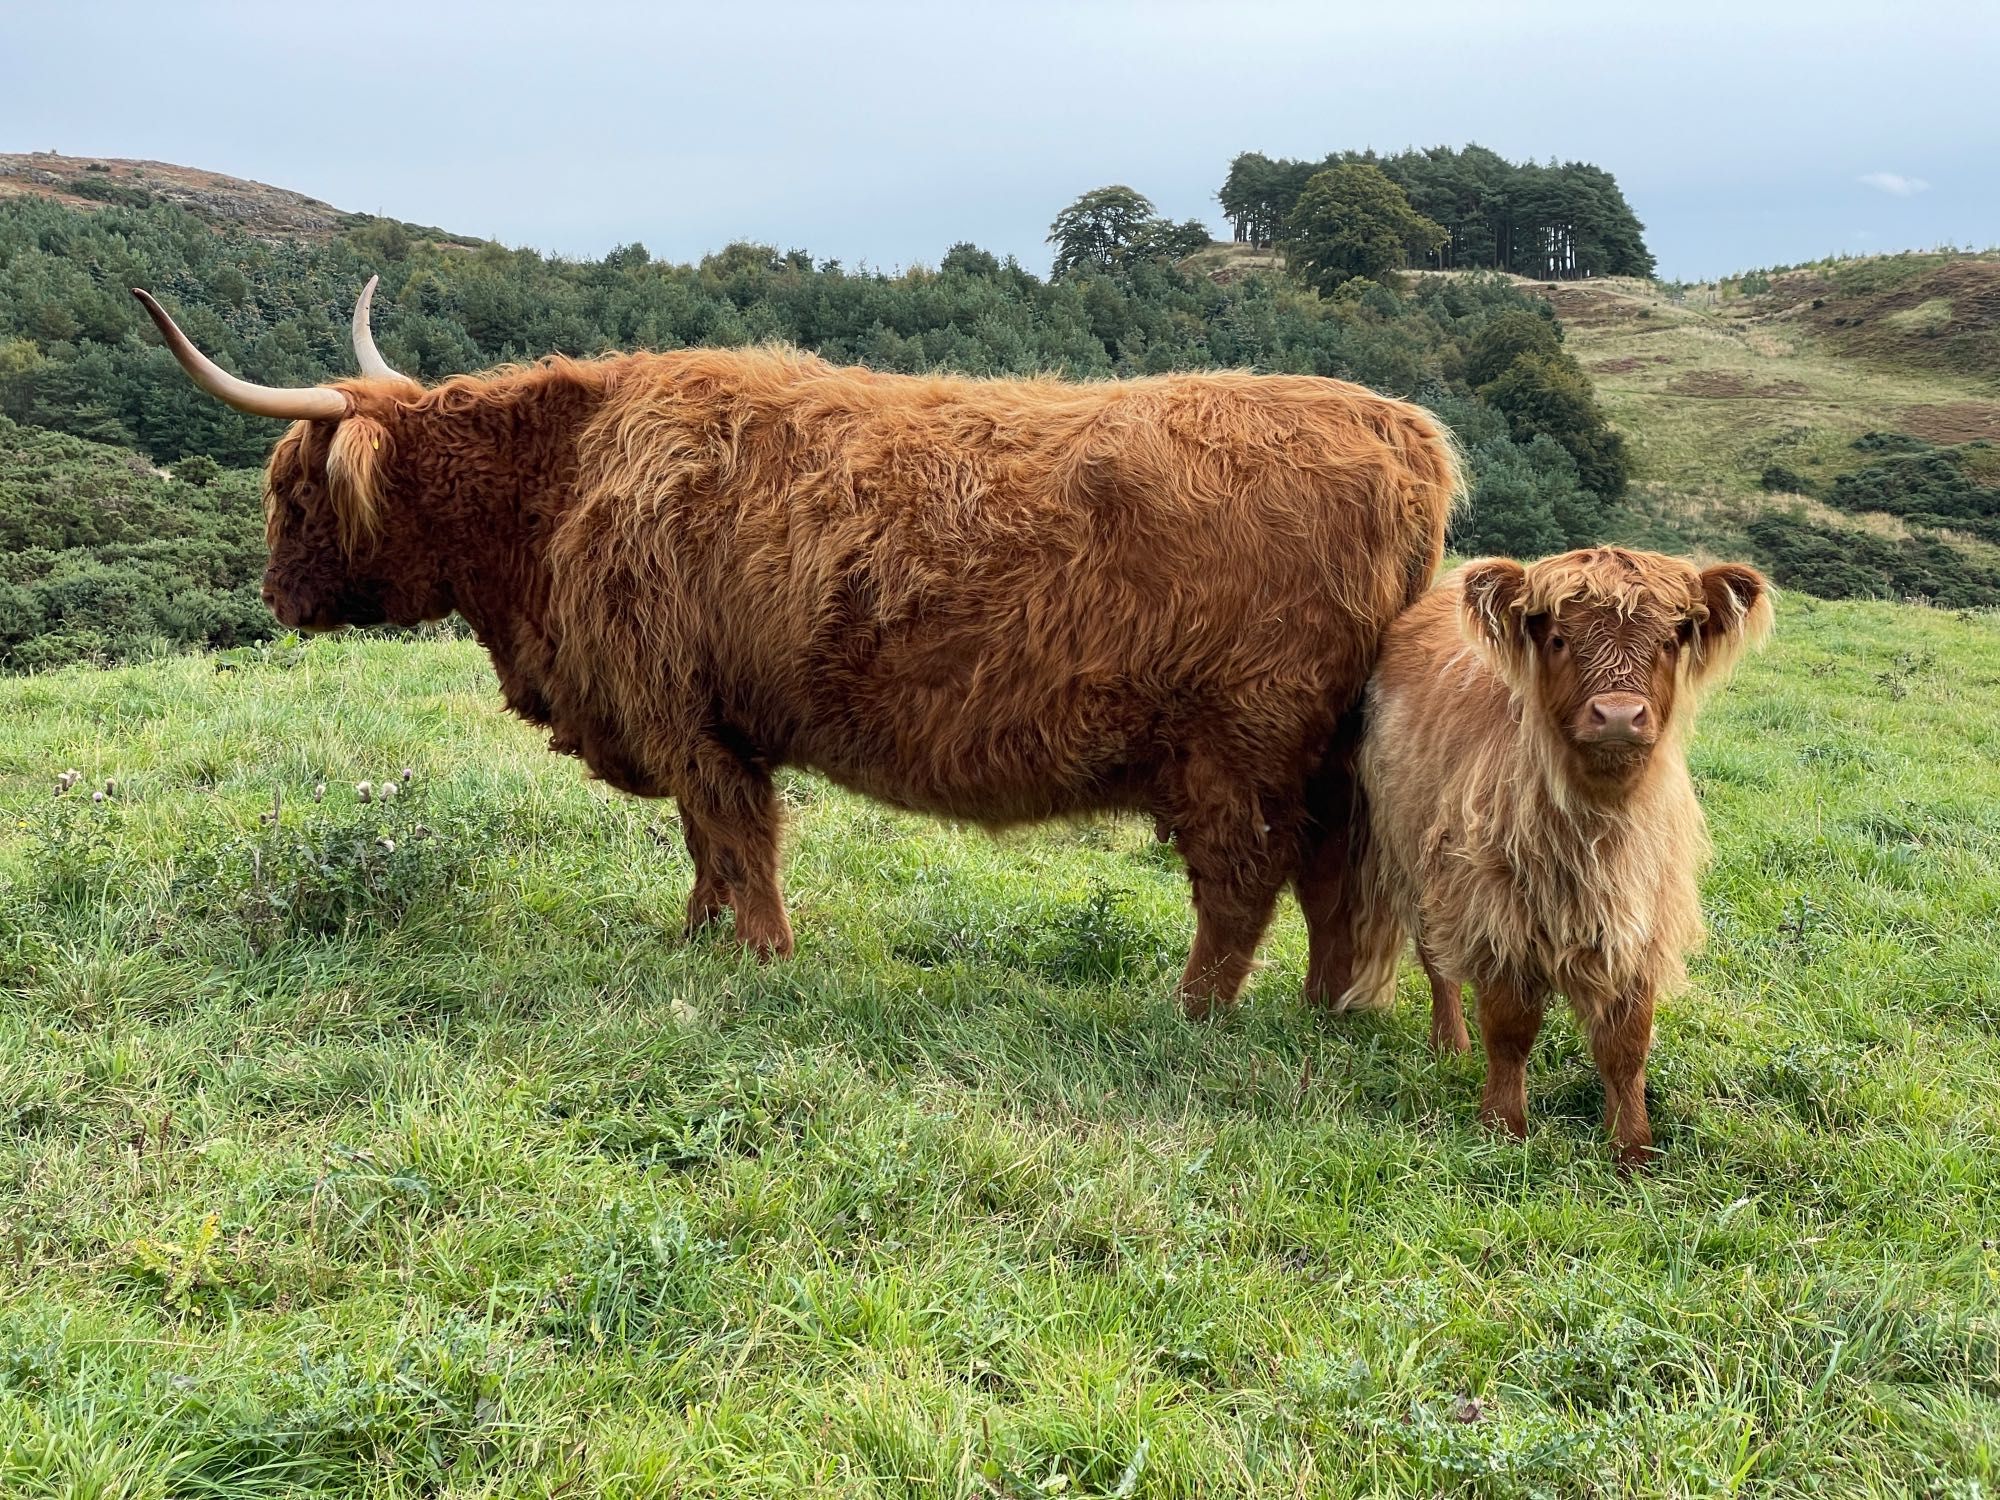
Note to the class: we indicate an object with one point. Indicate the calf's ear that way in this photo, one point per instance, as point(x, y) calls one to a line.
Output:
point(1739, 613)
point(1492, 600)
point(1738, 600)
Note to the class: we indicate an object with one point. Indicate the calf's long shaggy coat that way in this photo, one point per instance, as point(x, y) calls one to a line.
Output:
point(991, 600)
point(1529, 818)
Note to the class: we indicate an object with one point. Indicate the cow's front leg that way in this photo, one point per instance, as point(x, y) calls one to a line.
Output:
point(733, 806)
point(1448, 1033)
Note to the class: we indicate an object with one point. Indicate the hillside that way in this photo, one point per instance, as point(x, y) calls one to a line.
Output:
point(1839, 423)
point(1758, 410)
point(1712, 384)
point(272, 215)
point(404, 1148)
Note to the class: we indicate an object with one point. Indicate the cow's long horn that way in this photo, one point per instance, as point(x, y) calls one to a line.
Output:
point(366, 354)
point(313, 403)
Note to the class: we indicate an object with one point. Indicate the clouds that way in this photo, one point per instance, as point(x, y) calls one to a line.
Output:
point(1895, 184)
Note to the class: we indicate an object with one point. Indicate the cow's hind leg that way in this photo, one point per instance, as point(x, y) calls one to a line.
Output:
point(710, 896)
point(733, 807)
point(1326, 880)
point(1325, 887)
point(1237, 862)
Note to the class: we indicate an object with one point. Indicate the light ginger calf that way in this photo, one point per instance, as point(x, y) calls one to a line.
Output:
point(1529, 818)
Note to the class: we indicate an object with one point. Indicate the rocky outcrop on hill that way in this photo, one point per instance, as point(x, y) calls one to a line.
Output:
point(269, 213)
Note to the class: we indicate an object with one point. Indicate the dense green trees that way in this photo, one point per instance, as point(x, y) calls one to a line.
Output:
point(1517, 365)
point(1548, 395)
point(1352, 221)
point(76, 354)
point(103, 557)
point(1110, 227)
point(1540, 221)
point(1507, 338)
point(1100, 229)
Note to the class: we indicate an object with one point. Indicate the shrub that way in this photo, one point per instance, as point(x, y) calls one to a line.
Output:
point(199, 470)
point(1802, 554)
point(1508, 337)
point(1778, 479)
point(1544, 395)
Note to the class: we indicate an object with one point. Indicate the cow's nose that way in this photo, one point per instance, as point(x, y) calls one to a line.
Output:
point(1619, 716)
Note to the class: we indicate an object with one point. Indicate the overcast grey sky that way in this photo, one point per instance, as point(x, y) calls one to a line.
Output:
point(1744, 134)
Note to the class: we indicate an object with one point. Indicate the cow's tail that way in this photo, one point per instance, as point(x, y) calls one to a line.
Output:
point(1436, 490)
point(1375, 932)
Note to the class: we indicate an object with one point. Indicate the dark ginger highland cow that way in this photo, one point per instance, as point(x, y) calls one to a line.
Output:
point(1528, 815)
point(992, 600)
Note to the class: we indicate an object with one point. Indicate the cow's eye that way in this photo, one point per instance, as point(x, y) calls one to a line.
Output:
point(1557, 643)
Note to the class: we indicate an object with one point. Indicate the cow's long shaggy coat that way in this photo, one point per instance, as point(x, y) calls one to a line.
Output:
point(1524, 852)
point(991, 600)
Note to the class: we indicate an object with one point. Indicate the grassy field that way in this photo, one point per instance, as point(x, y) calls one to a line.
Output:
point(402, 1148)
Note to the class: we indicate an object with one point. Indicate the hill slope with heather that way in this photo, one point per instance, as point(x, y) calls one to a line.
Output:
point(1762, 414)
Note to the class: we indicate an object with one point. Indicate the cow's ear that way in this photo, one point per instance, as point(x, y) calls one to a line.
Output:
point(354, 465)
point(1491, 604)
point(1738, 601)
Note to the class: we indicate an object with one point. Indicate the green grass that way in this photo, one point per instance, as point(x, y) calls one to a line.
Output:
point(447, 1169)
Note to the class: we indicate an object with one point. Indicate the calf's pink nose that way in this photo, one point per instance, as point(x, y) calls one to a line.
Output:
point(1619, 716)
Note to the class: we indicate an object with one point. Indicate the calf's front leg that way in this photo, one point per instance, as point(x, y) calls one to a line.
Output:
point(1621, 1034)
point(1509, 1020)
